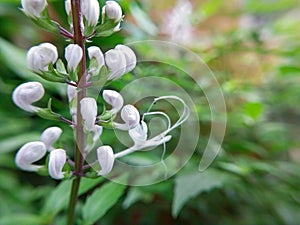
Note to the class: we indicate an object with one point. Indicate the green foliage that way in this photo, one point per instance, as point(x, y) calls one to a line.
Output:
point(192, 184)
point(100, 201)
point(254, 180)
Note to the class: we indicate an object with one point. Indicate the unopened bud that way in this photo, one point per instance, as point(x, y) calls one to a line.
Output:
point(106, 159)
point(129, 56)
point(26, 94)
point(116, 62)
point(88, 109)
point(39, 57)
point(73, 55)
point(112, 10)
point(130, 115)
point(50, 136)
point(57, 161)
point(33, 8)
point(30, 153)
point(91, 11)
point(114, 99)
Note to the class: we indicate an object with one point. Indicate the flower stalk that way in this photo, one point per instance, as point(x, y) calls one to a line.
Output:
point(79, 39)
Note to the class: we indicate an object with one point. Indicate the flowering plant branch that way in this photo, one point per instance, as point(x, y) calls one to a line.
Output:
point(88, 125)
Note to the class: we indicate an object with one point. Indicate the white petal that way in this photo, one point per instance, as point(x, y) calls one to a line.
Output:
point(68, 7)
point(91, 11)
point(106, 159)
point(116, 62)
point(88, 109)
point(139, 133)
point(130, 115)
point(50, 135)
point(34, 8)
point(26, 94)
point(57, 161)
point(30, 153)
point(73, 55)
point(129, 56)
point(95, 52)
point(114, 99)
point(39, 57)
point(72, 92)
point(112, 10)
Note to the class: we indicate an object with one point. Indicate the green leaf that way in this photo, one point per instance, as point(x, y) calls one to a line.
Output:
point(12, 143)
point(101, 201)
point(87, 184)
point(22, 219)
point(192, 184)
point(58, 199)
point(253, 109)
point(48, 114)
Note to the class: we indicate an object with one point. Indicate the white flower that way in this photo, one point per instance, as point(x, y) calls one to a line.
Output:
point(57, 161)
point(26, 94)
point(50, 135)
point(106, 159)
point(33, 8)
point(129, 56)
point(73, 55)
point(30, 153)
point(112, 10)
point(130, 115)
point(95, 52)
point(114, 99)
point(139, 133)
point(116, 62)
point(88, 109)
point(91, 11)
point(39, 57)
point(68, 7)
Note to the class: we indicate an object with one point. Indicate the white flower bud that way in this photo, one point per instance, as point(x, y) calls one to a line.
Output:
point(114, 99)
point(39, 57)
point(106, 159)
point(30, 153)
point(139, 133)
point(73, 55)
point(112, 10)
point(26, 94)
point(116, 62)
point(88, 109)
point(50, 135)
point(91, 11)
point(130, 115)
point(95, 52)
point(68, 7)
point(33, 8)
point(129, 56)
point(57, 161)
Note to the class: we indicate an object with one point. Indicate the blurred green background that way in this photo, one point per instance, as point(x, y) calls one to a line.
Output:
point(253, 49)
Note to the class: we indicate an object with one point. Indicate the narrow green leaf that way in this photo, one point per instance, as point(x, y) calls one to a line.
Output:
point(87, 184)
point(58, 199)
point(22, 219)
point(101, 201)
point(192, 184)
point(12, 143)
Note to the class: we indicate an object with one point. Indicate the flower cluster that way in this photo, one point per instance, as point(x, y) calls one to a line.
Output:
point(44, 60)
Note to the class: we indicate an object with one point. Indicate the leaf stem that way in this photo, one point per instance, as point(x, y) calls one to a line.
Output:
point(79, 39)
